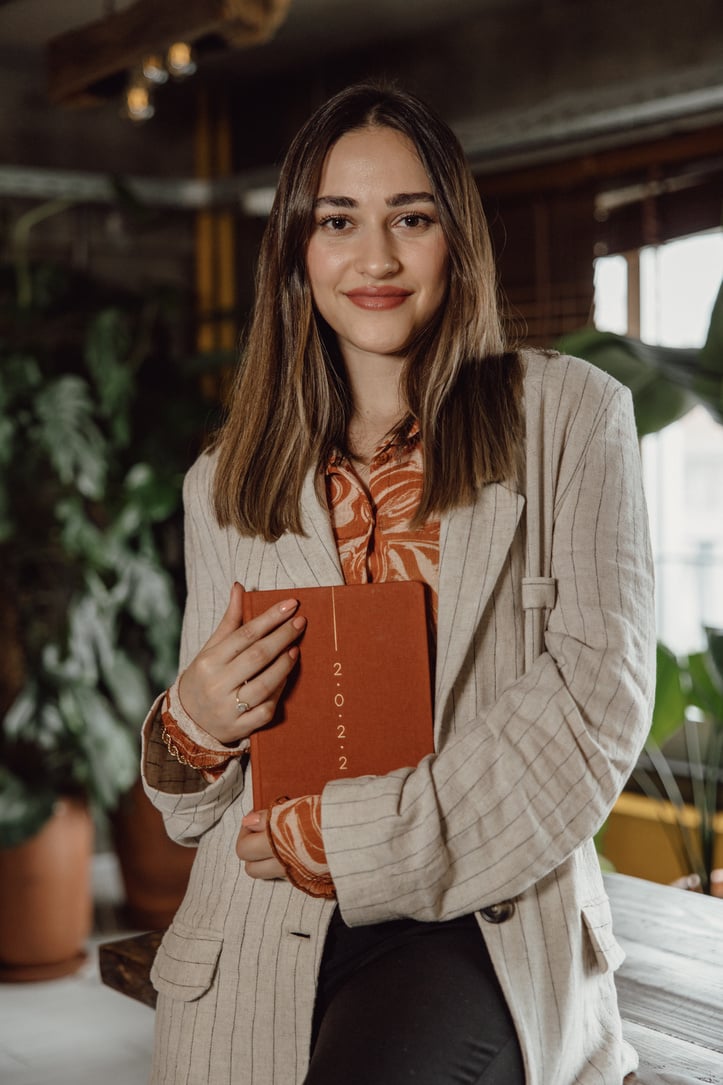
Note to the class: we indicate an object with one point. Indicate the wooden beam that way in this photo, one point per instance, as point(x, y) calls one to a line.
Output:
point(702, 144)
point(80, 59)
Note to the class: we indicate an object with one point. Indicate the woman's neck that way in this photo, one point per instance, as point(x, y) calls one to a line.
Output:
point(377, 405)
point(377, 398)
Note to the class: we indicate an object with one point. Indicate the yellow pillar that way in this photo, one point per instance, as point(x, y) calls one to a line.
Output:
point(215, 231)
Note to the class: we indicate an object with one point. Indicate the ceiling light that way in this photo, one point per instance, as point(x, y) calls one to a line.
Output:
point(154, 69)
point(180, 60)
point(137, 105)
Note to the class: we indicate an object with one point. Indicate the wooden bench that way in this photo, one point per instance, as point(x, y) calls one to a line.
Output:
point(670, 986)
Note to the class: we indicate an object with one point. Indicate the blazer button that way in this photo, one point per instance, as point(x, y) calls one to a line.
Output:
point(499, 913)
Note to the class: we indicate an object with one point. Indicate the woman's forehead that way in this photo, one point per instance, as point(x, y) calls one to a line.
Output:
point(372, 160)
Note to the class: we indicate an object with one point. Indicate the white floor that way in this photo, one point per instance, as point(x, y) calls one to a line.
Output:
point(75, 1030)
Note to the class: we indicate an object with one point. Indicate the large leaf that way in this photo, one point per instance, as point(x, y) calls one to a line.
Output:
point(670, 697)
point(156, 498)
point(23, 809)
point(661, 379)
point(68, 433)
point(711, 353)
point(665, 381)
point(20, 721)
point(107, 345)
point(715, 648)
point(706, 692)
point(80, 536)
point(76, 661)
point(19, 376)
point(111, 752)
point(127, 684)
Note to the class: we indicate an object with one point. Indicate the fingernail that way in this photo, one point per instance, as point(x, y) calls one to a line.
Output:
point(287, 605)
point(251, 821)
point(294, 653)
point(299, 623)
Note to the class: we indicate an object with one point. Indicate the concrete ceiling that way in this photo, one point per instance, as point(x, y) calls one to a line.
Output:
point(521, 81)
point(312, 26)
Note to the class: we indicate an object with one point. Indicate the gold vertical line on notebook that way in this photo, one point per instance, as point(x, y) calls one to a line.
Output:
point(333, 618)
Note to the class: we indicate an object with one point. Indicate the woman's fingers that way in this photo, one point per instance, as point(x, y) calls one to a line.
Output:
point(231, 620)
point(256, 663)
point(252, 652)
point(254, 848)
point(232, 686)
point(266, 869)
point(242, 638)
point(261, 695)
point(231, 636)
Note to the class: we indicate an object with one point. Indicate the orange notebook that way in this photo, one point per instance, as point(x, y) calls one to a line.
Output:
point(359, 701)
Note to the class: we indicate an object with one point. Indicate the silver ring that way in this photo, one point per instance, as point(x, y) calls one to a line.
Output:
point(241, 706)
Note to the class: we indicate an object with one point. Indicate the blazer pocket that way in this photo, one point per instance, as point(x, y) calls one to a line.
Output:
point(186, 961)
point(598, 922)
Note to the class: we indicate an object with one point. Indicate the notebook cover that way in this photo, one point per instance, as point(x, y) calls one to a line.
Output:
point(359, 700)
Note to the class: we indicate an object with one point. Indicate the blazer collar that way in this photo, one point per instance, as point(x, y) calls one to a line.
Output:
point(311, 558)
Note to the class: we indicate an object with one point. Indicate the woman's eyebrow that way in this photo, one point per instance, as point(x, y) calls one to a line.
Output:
point(401, 199)
point(335, 201)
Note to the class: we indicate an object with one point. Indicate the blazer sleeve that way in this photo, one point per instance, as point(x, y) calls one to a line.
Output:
point(536, 773)
point(190, 806)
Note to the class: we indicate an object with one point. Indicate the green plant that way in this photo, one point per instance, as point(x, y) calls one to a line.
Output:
point(688, 705)
point(667, 382)
point(97, 425)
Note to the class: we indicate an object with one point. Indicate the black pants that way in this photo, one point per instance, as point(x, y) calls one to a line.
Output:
point(407, 1001)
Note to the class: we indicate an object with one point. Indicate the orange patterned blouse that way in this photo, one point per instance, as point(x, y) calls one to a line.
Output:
point(371, 527)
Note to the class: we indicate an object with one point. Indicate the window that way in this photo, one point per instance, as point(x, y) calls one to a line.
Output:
point(665, 294)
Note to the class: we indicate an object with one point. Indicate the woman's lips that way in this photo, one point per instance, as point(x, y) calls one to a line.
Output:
point(377, 297)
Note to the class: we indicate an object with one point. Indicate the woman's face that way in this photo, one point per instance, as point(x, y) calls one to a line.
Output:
point(377, 259)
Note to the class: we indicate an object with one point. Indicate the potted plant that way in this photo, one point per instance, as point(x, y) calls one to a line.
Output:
point(680, 768)
point(682, 765)
point(92, 453)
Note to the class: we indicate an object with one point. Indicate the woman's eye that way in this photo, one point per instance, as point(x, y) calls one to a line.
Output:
point(414, 220)
point(335, 223)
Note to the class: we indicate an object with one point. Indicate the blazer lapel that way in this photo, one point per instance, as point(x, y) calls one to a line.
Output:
point(474, 541)
point(311, 558)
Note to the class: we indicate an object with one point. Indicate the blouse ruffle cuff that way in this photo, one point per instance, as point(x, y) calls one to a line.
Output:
point(189, 743)
point(296, 840)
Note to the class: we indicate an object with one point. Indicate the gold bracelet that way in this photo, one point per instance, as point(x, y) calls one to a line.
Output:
point(173, 749)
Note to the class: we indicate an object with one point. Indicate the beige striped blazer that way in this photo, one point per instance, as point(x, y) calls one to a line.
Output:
point(544, 678)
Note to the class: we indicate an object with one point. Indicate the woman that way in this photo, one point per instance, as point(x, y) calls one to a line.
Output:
point(447, 922)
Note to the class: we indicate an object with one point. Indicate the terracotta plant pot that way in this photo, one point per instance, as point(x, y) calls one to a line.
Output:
point(154, 869)
point(46, 908)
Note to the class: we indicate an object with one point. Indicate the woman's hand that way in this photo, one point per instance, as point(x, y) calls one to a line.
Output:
point(242, 664)
point(254, 848)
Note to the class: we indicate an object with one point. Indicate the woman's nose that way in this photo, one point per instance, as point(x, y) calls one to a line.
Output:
point(376, 255)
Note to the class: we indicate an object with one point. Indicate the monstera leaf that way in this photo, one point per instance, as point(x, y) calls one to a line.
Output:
point(666, 382)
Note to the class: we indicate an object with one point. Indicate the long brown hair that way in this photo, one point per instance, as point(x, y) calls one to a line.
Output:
point(290, 405)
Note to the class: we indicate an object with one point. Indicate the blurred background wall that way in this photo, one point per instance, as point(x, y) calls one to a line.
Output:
point(133, 196)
